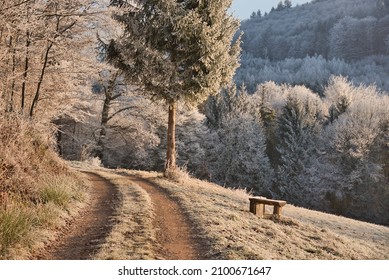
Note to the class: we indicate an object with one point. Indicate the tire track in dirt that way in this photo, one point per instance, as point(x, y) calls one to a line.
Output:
point(174, 233)
point(83, 236)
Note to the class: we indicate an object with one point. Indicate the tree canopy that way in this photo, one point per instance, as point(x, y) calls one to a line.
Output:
point(176, 50)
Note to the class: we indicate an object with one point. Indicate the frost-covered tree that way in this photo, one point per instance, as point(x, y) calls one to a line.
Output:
point(313, 72)
point(288, 4)
point(356, 149)
point(353, 38)
point(298, 127)
point(266, 96)
point(387, 44)
point(177, 50)
point(348, 29)
point(239, 155)
point(338, 94)
point(280, 6)
point(45, 54)
point(236, 149)
point(329, 153)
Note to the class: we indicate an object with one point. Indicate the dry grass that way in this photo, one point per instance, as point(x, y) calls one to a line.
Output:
point(61, 190)
point(27, 227)
point(178, 174)
point(38, 192)
point(223, 221)
point(15, 225)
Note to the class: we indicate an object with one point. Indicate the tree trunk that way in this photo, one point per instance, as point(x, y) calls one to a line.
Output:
point(40, 81)
point(171, 137)
point(11, 99)
point(26, 66)
point(104, 122)
point(108, 98)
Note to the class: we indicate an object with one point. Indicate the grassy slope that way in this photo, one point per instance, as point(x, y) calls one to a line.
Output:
point(38, 192)
point(231, 232)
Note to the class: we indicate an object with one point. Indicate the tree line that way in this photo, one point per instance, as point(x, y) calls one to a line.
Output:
point(327, 153)
point(342, 29)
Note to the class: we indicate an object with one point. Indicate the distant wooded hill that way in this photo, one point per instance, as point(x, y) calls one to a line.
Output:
point(335, 35)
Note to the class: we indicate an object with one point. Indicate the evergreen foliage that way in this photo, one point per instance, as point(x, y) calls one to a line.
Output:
point(176, 50)
point(237, 156)
point(298, 127)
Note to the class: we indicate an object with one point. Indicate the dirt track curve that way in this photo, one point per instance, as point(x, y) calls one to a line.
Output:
point(83, 237)
point(174, 233)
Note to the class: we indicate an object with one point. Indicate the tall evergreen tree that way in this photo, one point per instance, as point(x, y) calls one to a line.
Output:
point(288, 4)
point(176, 50)
point(280, 6)
point(298, 126)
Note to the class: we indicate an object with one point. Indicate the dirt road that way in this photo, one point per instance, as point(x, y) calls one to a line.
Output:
point(174, 233)
point(85, 235)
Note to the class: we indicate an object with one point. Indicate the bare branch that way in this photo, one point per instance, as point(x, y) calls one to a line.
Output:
point(121, 110)
point(14, 6)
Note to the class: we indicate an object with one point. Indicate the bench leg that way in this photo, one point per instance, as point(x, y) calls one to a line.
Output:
point(260, 211)
point(257, 209)
point(252, 207)
point(277, 211)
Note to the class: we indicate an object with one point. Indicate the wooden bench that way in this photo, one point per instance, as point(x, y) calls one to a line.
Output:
point(257, 206)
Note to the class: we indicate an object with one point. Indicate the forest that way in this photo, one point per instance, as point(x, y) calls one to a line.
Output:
point(306, 44)
point(307, 119)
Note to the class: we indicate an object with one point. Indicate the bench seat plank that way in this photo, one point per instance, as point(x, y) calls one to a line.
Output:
point(268, 201)
point(257, 206)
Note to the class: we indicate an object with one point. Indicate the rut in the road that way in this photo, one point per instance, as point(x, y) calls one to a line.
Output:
point(85, 235)
point(174, 233)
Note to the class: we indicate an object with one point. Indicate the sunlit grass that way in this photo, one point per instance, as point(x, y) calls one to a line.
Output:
point(16, 223)
point(24, 223)
point(61, 190)
point(222, 220)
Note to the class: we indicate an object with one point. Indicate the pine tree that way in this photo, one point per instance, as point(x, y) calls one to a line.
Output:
point(176, 50)
point(280, 6)
point(298, 126)
point(288, 4)
point(240, 155)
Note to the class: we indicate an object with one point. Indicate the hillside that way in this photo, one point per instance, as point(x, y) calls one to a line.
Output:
point(221, 222)
point(143, 215)
point(307, 44)
point(346, 29)
point(38, 191)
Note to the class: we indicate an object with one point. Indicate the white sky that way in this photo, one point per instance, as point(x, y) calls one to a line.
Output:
point(242, 9)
